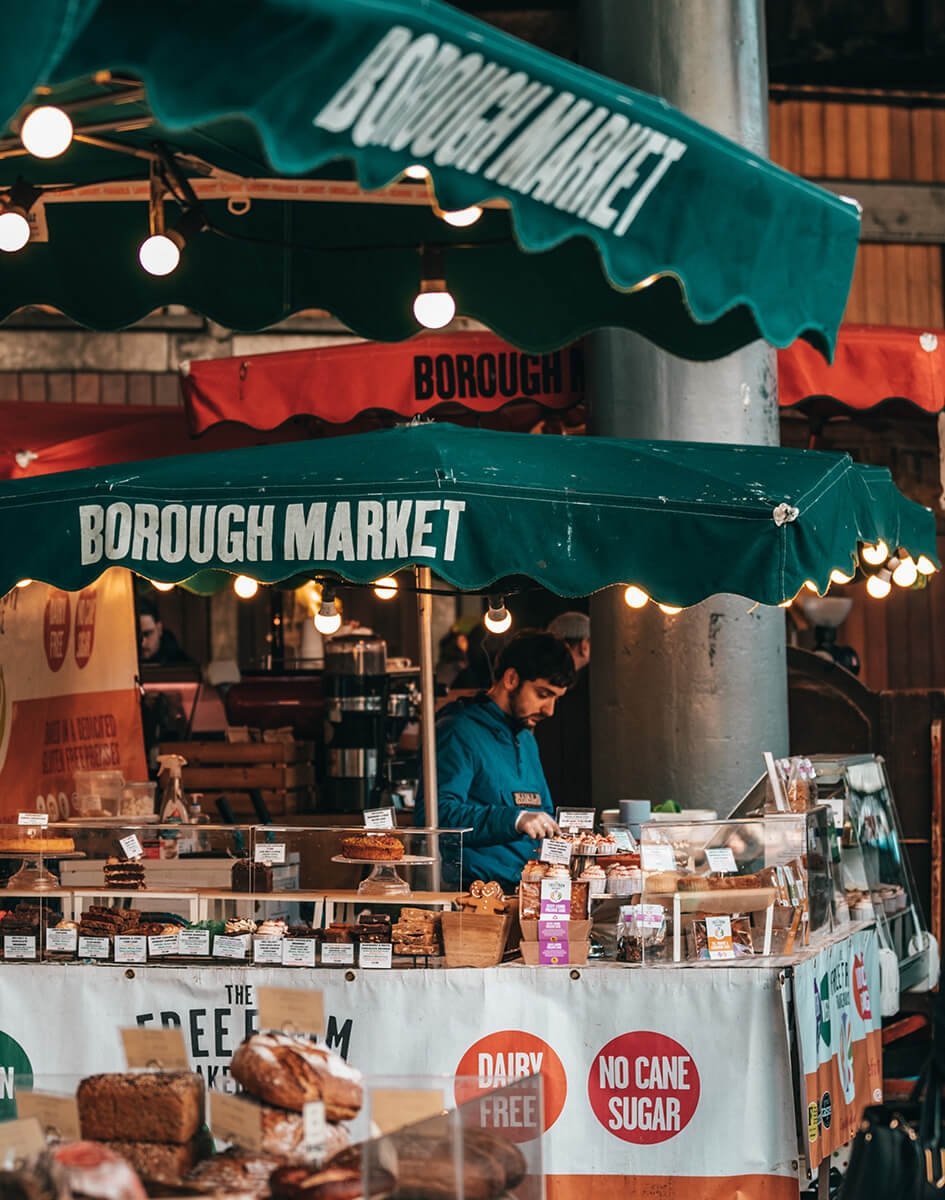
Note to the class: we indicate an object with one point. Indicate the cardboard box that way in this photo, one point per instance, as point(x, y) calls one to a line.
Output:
point(577, 931)
point(576, 954)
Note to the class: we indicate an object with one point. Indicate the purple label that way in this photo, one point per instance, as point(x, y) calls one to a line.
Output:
point(552, 954)
point(551, 909)
point(552, 931)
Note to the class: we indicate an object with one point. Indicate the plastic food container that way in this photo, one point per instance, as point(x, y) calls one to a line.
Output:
point(137, 799)
point(97, 793)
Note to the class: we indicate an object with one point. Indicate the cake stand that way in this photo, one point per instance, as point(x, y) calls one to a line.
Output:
point(383, 879)
point(32, 875)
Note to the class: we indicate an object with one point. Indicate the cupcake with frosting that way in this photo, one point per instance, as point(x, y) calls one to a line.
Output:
point(596, 879)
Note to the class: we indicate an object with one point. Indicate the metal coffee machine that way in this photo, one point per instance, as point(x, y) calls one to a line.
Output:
point(367, 708)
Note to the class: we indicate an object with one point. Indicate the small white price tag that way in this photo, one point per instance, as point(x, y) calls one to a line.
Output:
point(657, 856)
point(163, 944)
point(267, 950)
point(62, 940)
point(576, 818)
point(194, 941)
point(15, 946)
point(94, 947)
point(555, 850)
point(272, 853)
point(33, 819)
point(722, 860)
point(130, 846)
point(314, 1130)
point(230, 947)
point(378, 818)
point(130, 948)
point(375, 957)
point(298, 952)
point(338, 953)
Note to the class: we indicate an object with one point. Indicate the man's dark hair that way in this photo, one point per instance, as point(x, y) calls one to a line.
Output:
point(537, 655)
point(146, 608)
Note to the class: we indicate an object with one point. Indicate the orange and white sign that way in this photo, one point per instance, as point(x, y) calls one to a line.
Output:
point(68, 699)
point(502, 1058)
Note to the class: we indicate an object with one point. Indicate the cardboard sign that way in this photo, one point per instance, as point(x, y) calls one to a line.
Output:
point(58, 1115)
point(235, 1120)
point(298, 952)
point(314, 1130)
point(376, 957)
point(33, 818)
point(19, 946)
point(657, 856)
point(576, 818)
point(553, 954)
point(719, 937)
point(393, 1108)
point(378, 818)
point(291, 1010)
point(272, 853)
point(129, 948)
point(20, 1140)
point(194, 941)
point(162, 1048)
point(338, 953)
point(555, 899)
point(63, 940)
point(94, 947)
point(722, 860)
point(555, 850)
point(130, 846)
point(552, 930)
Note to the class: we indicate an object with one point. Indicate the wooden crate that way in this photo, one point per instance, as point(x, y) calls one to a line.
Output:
point(475, 939)
point(282, 772)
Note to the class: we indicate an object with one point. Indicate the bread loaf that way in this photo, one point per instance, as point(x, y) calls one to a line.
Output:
point(164, 1107)
point(158, 1160)
point(427, 1167)
point(234, 1171)
point(283, 1134)
point(334, 1183)
point(288, 1072)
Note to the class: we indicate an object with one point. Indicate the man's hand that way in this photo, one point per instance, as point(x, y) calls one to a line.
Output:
point(537, 825)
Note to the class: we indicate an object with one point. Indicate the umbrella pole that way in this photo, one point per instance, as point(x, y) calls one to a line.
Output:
point(428, 716)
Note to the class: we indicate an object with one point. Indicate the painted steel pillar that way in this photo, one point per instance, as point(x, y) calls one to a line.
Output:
point(683, 706)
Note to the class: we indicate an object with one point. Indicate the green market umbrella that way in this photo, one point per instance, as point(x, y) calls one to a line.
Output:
point(605, 206)
point(680, 520)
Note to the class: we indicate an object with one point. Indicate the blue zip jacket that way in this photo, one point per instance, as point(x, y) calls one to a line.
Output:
point(481, 763)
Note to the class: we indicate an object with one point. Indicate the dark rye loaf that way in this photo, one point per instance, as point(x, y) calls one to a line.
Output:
point(163, 1107)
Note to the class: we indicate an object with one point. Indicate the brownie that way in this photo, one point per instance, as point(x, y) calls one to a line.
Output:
point(166, 1106)
point(160, 1160)
point(251, 877)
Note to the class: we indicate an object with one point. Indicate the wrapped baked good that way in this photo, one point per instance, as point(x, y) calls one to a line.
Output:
point(166, 1106)
point(641, 933)
point(95, 1171)
point(288, 1072)
point(697, 937)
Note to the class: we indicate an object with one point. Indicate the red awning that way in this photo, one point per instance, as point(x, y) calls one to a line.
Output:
point(477, 371)
point(873, 364)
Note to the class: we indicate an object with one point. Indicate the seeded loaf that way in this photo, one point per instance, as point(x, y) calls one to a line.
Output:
point(166, 1106)
point(159, 1160)
point(288, 1072)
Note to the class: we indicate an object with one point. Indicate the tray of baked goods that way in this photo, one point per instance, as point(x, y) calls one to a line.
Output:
point(722, 893)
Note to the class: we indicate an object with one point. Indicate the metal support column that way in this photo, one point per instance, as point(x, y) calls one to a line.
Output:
point(428, 714)
point(683, 706)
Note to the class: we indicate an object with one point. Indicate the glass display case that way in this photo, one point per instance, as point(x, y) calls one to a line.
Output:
point(114, 890)
point(729, 891)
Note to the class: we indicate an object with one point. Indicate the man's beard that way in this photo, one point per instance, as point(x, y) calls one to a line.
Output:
point(523, 720)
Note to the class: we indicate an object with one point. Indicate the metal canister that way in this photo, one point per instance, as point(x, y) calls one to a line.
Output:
point(356, 692)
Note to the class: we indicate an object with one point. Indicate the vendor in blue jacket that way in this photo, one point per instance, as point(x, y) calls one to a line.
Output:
point(489, 775)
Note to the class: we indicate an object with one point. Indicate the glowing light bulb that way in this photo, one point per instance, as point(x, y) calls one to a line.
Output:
point(669, 609)
point(434, 308)
point(24, 583)
point(875, 555)
point(14, 230)
point(416, 171)
point(635, 597)
point(245, 587)
point(159, 254)
point(925, 565)
point(462, 216)
point(906, 573)
point(47, 132)
point(169, 587)
point(386, 588)
point(878, 587)
point(786, 603)
point(327, 622)
point(498, 619)
point(837, 576)
point(811, 586)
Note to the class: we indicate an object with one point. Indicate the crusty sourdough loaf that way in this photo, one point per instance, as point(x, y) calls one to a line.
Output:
point(289, 1071)
point(166, 1106)
point(335, 1183)
point(235, 1171)
point(164, 1161)
point(283, 1134)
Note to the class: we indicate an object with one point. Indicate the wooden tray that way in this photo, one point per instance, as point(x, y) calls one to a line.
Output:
point(475, 939)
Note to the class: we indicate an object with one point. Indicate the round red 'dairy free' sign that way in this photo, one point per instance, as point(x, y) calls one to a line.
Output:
point(644, 1087)
point(495, 1062)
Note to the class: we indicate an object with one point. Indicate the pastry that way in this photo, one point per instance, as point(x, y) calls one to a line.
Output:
point(97, 1172)
point(302, 931)
point(337, 933)
point(249, 876)
point(166, 1106)
point(334, 1183)
point(374, 928)
point(595, 878)
point(160, 1160)
point(283, 1134)
point(125, 873)
point(37, 843)
point(237, 926)
point(272, 929)
point(382, 847)
point(235, 1171)
point(288, 1072)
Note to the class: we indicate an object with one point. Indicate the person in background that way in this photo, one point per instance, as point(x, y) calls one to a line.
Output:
point(489, 775)
point(454, 647)
point(157, 646)
point(564, 742)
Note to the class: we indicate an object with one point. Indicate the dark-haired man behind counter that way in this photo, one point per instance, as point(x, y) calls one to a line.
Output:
point(489, 775)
